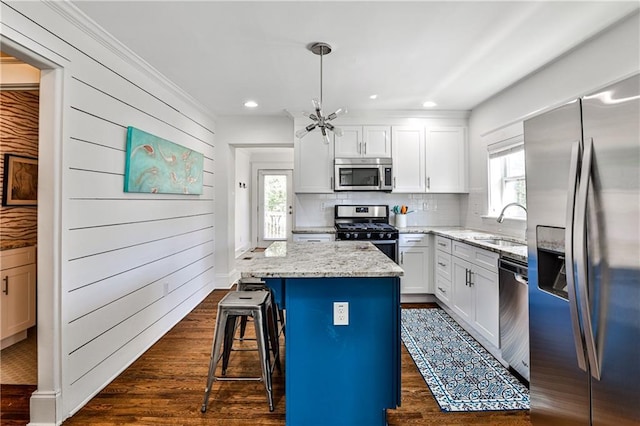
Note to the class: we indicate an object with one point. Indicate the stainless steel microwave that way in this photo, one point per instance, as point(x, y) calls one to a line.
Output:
point(363, 174)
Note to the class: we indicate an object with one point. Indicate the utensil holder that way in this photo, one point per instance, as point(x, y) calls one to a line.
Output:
point(401, 221)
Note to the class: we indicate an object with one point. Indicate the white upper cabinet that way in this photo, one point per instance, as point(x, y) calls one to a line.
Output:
point(408, 159)
point(446, 159)
point(363, 141)
point(313, 164)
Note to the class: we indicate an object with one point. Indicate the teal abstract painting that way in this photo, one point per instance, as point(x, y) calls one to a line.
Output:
point(158, 166)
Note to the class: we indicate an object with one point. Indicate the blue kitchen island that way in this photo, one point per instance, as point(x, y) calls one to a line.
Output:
point(335, 374)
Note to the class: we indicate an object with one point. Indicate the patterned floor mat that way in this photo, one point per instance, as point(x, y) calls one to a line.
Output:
point(462, 375)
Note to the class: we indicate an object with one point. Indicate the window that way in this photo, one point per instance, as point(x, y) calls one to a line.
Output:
point(507, 177)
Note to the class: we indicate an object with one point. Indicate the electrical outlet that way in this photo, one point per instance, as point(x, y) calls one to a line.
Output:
point(340, 313)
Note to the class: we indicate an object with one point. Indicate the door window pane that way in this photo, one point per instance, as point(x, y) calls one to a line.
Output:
point(275, 207)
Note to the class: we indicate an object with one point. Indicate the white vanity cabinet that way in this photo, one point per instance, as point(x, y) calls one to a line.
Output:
point(18, 292)
point(313, 164)
point(474, 280)
point(313, 238)
point(363, 142)
point(414, 257)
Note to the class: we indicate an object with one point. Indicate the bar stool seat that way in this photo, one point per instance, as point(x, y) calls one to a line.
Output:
point(258, 305)
point(252, 284)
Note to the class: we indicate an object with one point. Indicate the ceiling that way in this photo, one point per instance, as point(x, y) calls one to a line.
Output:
point(454, 53)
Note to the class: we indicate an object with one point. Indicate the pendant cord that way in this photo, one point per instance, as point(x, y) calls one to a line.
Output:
point(321, 54)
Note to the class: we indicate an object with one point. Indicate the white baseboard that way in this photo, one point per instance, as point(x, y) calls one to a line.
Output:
point(42, 408)
point(417, 298)
point(225, 281)
point(12, 340)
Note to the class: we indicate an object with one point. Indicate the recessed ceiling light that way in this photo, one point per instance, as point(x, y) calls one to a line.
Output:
point(429, 104)
point(373, 97)
point(251, 104)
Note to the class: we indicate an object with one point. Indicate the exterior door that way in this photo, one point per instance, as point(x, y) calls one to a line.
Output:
point(275, 206)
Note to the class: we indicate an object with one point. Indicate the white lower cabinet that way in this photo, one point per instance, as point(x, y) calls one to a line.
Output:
point(474, 282)
point(462, 292)
point(487, 309)
point(414, 257)
point(312, 238)
point(443, 266)
point(18, 296)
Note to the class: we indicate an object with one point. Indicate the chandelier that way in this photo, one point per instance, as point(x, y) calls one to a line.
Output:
point(320, 121)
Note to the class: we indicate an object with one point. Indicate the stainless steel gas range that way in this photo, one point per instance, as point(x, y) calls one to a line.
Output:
point(367, 223)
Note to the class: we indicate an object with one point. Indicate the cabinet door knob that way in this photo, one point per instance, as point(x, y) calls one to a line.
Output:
point(5, 290)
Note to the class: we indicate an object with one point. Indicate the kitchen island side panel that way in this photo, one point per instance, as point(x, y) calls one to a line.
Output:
point(342, 374)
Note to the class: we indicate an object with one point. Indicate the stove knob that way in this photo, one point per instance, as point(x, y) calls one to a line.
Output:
point(347, 235)
point(389, 235)
point(381, 235)
point(368, 235)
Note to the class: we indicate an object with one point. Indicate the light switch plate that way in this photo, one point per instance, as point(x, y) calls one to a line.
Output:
point(340, 313)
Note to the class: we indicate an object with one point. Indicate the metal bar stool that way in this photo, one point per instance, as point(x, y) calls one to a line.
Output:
point(233, 305)
point(252, 284)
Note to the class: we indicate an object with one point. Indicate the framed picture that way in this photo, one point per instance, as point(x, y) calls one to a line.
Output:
point(20, 184)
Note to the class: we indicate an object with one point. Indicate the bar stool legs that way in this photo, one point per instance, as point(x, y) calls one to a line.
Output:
point(259, 306)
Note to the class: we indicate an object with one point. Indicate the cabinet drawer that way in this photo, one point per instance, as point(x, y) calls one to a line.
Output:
point(443, 264)
point(17, 257)
point(410, 240)
point(443, 289)
point(475, 255)
point(462, 250)
point(486, 259)
point(443, 244)
point(312, 238)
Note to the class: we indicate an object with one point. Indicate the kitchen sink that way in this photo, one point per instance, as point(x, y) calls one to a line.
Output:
point(500, 242)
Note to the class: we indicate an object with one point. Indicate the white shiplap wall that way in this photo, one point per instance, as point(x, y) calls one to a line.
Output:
point(132, 265)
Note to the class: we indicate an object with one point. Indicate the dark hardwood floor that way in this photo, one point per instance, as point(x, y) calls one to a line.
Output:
point(166, 386)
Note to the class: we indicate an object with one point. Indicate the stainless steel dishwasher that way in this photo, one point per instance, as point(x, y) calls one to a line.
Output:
point(514, 315)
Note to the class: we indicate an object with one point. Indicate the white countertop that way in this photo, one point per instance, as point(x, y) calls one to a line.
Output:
point(469, 236)
point(315, 260)
point(473, 237)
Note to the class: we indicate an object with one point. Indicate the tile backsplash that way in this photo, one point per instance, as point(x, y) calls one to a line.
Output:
point(428, 209)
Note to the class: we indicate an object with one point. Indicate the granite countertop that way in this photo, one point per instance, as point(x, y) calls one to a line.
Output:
point(314, 230)
point(473, 237)
point(316, 260)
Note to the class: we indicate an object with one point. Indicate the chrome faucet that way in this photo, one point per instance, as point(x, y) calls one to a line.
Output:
point(500, 218)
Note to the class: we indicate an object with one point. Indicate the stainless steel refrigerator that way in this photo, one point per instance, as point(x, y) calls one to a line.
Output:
point(583, 231)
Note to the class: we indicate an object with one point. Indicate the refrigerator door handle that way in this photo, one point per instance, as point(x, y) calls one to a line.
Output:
point(581, 255)
point(576, 152)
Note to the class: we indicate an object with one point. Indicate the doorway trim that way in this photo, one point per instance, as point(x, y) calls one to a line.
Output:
point(46, 401)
